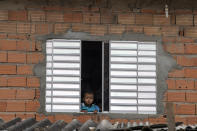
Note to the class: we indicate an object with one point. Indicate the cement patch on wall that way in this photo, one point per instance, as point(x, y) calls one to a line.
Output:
point(165, 63)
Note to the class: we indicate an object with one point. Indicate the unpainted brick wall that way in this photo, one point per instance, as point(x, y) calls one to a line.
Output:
point(20, 51)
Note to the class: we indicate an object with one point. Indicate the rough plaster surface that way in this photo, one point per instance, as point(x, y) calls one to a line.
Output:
point(165, 63)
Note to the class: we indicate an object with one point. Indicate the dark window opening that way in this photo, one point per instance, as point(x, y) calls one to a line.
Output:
point(91, 70)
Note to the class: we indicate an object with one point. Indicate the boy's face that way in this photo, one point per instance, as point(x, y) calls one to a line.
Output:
point(88, 99)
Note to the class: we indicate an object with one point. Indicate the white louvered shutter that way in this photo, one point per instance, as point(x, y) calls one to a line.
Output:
point(63, 75)
point(132, 77)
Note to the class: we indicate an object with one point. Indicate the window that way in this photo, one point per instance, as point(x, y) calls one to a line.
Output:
point(126, 73)
point(133, 77)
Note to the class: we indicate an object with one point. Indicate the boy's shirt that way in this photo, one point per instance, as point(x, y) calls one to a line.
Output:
point(89, 109)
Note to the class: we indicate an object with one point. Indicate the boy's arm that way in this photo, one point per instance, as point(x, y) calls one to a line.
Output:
point(97, 108)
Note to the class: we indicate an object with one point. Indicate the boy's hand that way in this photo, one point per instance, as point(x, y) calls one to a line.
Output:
point(95, 111)
point(84, 111)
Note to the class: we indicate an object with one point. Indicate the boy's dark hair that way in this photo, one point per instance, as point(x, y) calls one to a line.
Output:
point(88, 92)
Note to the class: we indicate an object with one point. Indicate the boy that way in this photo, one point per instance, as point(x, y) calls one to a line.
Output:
point(88, 105)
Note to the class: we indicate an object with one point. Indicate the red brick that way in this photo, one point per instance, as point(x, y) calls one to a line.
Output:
point(179, 118)
point(180, 96)
point(25, 45)
point(191, 48)
point(30, 115)
point(120, 10)
point(190, 73)
point(186, 60)
point(184, 40)
point(3, 106)
point(173, 19)
point(176, 73)
point(183, 11)
point(36, 16)
point(17, 15)
point(195, 20)
point(33, 82)
point(68, 9)
point(152, 11)
point(3, 81)
point(15, 106)
point(43, 28)
point(3, 36)
point(38, 46)
point(191, 32)
point(73, 17)
point(21, 115)
point(152, 30)
point(37, 94)
point(185, 84)
point(53, 8)
point(194, 11)
point(7, 116)
point(24, 116)
point(116, 29)
point(7, 94)
point(61, 28)
point(108, 18)
point(195, 84)
point(25, 28)
point(17, 81)
point(17, 36)
point(144, 19)
point(170, 30)
point(91, 18)
point(25, 69)
point(174, 48)
point(8, 27)
point(32, 106)
point(80, 27)
point(54, 17)
point(185, 109)
point(7, 45)
point(99, 30)
point(126, 19)
point(191, 97)
point(35, 58)
point(83, 118)
point(161, 20)
point(184, 19)
point(40, 117)
point(134, 28)
point(177, 40)
point(3, 56)
point(66, 118)
point(3, 15)
point(191, 120)
point(25, 94)
point(170, 83)
point(16, 57)
point(7, 69)
point(90, 9)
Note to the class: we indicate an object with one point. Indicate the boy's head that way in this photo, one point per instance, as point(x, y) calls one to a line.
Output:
point(88, 98)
